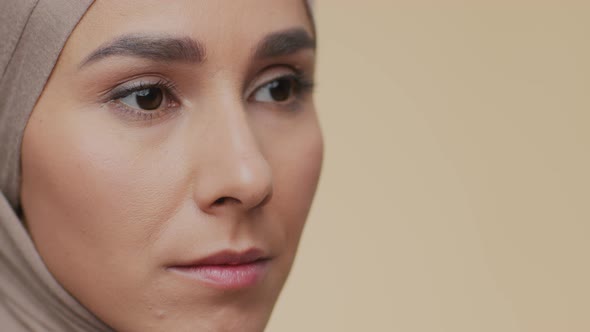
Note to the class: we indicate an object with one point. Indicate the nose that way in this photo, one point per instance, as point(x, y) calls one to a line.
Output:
point(234, 173)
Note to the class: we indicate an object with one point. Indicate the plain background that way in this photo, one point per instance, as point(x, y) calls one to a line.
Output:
point(455, 194)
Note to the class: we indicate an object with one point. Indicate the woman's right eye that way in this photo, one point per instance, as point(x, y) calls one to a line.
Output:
point(144, 100)
point(148, 99)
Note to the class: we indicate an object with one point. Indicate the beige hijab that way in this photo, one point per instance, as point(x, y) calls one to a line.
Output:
point(32, 34)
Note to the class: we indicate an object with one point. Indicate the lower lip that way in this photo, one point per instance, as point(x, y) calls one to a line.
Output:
point(226, 277)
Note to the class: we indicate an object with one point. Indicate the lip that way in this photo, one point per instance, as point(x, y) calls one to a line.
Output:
point(227, 269)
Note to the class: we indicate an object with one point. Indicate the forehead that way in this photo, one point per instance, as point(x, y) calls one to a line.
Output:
point(223, 26)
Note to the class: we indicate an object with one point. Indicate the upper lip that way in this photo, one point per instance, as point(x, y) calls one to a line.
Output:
point(229, 257)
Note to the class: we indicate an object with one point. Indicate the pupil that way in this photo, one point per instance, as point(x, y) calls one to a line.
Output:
point(149, 99)
point(280, 90)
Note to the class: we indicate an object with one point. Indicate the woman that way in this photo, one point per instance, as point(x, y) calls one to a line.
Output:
point(160, 177)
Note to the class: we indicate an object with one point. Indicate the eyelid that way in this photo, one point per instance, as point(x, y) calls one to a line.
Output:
point(125, 89)
point(300, 76)
point(132, 114)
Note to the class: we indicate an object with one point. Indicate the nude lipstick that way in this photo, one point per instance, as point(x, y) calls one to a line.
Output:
point(227, 269)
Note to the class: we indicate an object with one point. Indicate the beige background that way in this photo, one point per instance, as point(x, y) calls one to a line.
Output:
point(456, 188)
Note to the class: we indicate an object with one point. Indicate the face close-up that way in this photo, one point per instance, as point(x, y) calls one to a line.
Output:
point(171, 161)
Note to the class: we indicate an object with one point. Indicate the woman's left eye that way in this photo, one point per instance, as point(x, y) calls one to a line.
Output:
point(280, 90)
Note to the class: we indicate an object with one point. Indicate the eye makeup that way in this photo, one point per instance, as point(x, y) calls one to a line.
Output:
point(299, 85)
point(160, 96)
point(149, 98)
point(284, 88)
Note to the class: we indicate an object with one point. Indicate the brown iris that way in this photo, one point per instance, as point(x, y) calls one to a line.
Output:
point(281, 89)
point(149, 99)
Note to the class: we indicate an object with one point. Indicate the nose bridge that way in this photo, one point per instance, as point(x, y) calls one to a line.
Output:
point(238, 174)
point(241, 140)
point(246, 162)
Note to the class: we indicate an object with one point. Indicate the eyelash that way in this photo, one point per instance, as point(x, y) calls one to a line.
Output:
point(168, 88)
point(303, 86)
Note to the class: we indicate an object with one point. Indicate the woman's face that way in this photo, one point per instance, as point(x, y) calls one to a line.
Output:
point(170, 163)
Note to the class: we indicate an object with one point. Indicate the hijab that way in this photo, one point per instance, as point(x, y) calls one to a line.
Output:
point(32, 34)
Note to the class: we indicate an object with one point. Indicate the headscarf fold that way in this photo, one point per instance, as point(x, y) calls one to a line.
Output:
point(32, 35)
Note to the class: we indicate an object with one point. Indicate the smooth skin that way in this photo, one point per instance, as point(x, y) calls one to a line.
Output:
point(113, 194)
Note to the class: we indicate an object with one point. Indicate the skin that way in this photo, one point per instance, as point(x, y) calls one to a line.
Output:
point(112, 199)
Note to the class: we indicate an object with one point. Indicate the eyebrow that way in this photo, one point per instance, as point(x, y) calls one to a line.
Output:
point(156, 48)
point(186, 49)
point(284, 43)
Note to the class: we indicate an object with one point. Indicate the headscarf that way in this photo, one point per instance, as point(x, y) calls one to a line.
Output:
point(32, 34)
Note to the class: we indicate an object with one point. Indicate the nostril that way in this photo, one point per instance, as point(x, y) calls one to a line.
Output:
point(225, 200)
point(220, 201)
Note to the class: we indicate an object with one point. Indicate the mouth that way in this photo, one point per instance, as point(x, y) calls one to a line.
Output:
point(227, 269)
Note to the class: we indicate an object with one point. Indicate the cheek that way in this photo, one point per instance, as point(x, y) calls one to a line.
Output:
point(89, 192)
point(296, 163)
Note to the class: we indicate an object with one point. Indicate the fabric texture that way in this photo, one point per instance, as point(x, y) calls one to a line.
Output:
point(32, 34)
